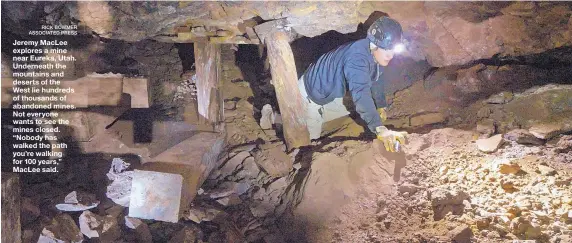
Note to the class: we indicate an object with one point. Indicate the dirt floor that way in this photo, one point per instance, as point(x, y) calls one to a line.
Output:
point(441, 188)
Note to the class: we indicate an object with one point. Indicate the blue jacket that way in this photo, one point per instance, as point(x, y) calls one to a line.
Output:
point(349, 67)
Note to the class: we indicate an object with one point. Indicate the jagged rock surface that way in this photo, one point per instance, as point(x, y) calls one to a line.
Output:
point(444, 33)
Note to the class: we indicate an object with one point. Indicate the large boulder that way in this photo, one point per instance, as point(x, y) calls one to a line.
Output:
point(545, 110)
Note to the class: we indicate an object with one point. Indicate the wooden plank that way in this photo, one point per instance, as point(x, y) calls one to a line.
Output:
point(285, 81)
point(209, 93)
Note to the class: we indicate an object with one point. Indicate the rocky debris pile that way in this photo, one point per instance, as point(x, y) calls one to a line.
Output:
point(156, 195)
point(61, 229)
point(533, 203)
point(253, 186)
point(509, 193)
point(448, 190)
point(95, 226)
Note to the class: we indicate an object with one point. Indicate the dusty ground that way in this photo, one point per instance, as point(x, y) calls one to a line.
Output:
point(441, 188)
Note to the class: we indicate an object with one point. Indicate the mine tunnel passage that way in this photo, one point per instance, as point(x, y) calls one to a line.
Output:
point(191, 133)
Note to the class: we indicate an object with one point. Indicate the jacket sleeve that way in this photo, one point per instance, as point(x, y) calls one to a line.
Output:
point(378, 93)
point(359, 84)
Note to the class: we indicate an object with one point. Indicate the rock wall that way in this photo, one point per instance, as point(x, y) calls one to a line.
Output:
point(443, 33)
point(464, 96)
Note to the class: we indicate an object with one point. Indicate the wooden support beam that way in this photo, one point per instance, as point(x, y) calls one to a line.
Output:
point(285, 81)
point(189, 37)
point(209, 93)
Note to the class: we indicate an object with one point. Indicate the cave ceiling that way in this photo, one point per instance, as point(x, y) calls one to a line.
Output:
point(443, 33)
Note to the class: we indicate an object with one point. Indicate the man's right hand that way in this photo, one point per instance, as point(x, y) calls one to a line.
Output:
point(390, 138)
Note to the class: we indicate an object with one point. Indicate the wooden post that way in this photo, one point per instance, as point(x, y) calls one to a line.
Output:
point(209, 93)
point(11, 231)
point(285, 81)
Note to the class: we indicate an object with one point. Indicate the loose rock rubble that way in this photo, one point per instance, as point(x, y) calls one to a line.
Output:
point(448, 191)
point(94, 226)
point(61, 229)
point(515, 196)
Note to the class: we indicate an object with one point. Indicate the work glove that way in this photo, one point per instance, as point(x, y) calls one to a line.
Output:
point(382, 114)
point(391, 140)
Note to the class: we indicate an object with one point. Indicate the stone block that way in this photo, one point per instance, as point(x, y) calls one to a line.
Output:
point(11, 229)
point(441, 196)
point(522, 136)
point(548, 131)
point(544, 110)
point(546, 170)
point(461, 234)
point(137, 88)
point(491, 144)
point(155, 195)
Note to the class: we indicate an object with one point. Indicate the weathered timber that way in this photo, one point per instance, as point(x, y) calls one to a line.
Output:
point(209, 93)
point(285, 81)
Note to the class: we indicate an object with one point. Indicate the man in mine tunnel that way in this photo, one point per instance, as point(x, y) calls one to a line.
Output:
point(353, 67)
